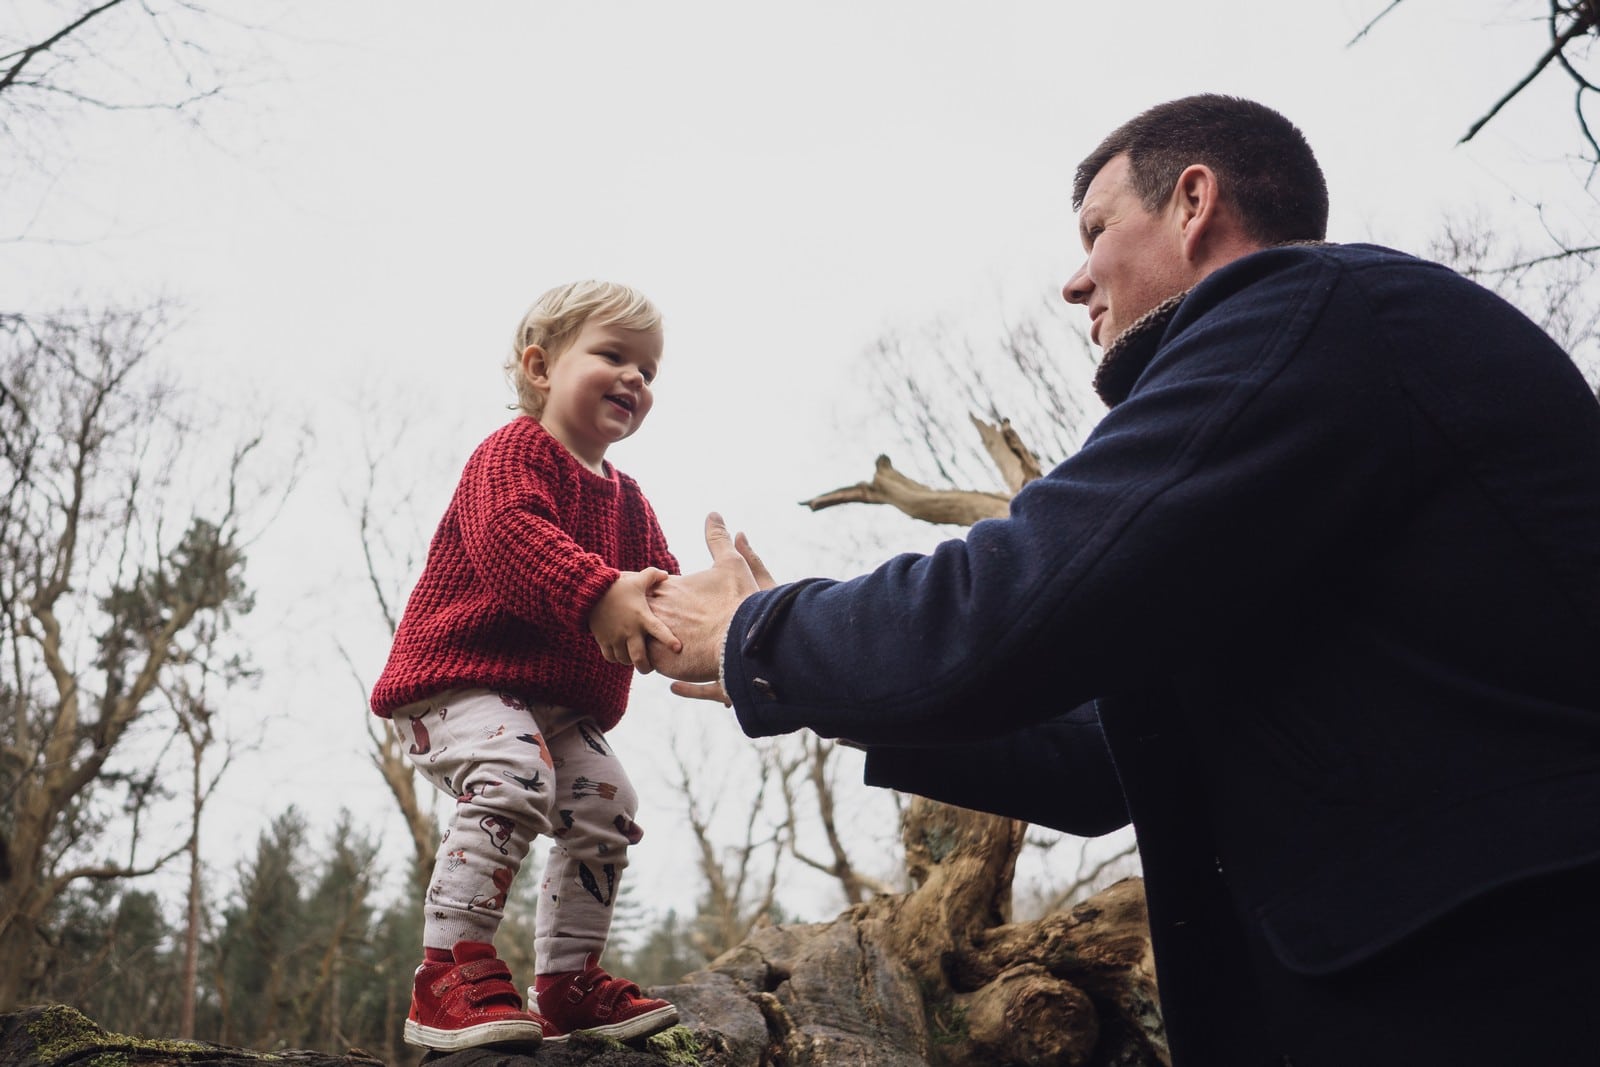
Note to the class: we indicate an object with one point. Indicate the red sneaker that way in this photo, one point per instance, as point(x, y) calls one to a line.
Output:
point(593, 1001)
point(467, 1002)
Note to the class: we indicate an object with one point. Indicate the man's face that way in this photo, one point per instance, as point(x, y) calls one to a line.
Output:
point(1136, 259)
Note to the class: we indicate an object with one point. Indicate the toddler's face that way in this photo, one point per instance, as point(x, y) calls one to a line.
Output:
point(597, 391)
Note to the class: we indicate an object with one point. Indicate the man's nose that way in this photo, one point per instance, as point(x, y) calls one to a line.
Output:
point(1079, 286)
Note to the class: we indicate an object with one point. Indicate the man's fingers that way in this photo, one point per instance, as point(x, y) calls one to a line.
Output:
point(638, 654)
point(764, 577)
point(702, 691)
point(718, 543)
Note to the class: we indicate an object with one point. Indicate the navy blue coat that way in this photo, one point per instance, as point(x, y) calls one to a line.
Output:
point(1330, 571)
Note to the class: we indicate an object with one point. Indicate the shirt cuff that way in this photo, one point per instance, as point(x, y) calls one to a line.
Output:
point(722, 659)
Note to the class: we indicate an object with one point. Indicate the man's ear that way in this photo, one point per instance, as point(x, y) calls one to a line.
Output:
point(536, 367)
point(1196, 200)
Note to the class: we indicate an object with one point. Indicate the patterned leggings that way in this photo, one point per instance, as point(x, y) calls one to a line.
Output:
point(518, 771)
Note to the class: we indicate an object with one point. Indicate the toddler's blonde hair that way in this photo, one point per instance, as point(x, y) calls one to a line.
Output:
point(555, 318)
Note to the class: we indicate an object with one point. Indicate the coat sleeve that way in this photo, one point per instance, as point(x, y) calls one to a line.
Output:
point(1251, 456)
point(1057, 774)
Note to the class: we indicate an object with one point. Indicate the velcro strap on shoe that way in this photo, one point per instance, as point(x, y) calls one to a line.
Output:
point(613, 995)
point(492, 989)
point(478, 970)
point(584, 984)
point(471, 973)
point(620, 989)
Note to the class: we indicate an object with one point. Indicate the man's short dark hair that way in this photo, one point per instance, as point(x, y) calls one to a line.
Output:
point(1262, 161)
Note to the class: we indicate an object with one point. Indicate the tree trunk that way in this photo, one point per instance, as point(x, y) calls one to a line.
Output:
point(389, 756)
point(20, 941)
point(961, 863)
point(1074, 989)
point(191, 933)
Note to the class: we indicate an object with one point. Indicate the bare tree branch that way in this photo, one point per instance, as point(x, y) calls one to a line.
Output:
point(390, 758)
point(102, 872)
point(959, 507)
point(22, 57)
point(1088, 876)
point(84, 99)
point(730, 910)
point(387, 753)
point(1373, 22)
point(1017, 464)
point(815, 756)
point(1534, 261)
point(1559, 41)
point(1568, 21)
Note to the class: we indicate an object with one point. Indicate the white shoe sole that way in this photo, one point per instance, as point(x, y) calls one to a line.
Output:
point(651, 1022)
point(505, 1032)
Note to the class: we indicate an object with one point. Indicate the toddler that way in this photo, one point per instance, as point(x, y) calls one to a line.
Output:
point(513, 659)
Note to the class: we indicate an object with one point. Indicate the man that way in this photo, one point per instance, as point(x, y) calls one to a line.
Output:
point(1329, 572)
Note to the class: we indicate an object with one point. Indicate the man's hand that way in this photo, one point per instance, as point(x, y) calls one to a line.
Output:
point(699, 607)
point(621, 619)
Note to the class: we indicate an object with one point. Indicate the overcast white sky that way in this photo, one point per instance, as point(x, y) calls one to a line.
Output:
point(356, 232)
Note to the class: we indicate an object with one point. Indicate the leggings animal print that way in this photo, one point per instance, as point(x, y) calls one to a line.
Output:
point(518, 771)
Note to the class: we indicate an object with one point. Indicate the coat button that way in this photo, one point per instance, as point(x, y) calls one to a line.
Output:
point(763, 688)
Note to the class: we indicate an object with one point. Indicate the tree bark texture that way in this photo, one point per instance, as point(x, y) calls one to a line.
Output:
point(1075, 989)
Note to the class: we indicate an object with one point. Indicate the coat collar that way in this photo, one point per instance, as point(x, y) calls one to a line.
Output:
point(1132, 352)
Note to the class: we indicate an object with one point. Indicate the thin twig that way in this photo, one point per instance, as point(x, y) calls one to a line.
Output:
point(1524, 264)
point(1368, 27)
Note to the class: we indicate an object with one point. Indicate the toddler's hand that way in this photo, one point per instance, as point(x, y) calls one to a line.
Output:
point(622, 621)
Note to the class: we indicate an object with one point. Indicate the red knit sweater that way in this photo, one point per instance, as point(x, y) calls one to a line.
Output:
point(531, 540)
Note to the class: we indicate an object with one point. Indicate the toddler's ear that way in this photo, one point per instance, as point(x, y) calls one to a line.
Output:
point(536, 366)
